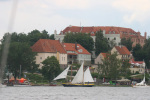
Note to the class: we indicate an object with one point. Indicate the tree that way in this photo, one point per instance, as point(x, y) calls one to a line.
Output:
point(81, 38)
point(111, 66)
point(52, 37)
point(51, 68)
point(101, 43)
point(138, 53)
point(146, 50)
point(20, 55)
point(125, 71)
point(127, 42)
point(35, 35)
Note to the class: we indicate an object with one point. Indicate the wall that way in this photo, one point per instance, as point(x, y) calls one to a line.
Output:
point(42, 56)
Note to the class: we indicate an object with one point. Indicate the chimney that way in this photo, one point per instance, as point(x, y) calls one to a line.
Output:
point(55, 32)
point(145, 35)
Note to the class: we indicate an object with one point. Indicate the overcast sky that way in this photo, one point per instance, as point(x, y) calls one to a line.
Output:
point(57, 14)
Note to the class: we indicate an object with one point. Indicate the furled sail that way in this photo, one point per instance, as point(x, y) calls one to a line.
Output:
point(87, 76)
point(142, 83)
point(79, 76)
point(63, 74)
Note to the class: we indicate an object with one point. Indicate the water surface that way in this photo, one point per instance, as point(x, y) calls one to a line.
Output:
point(74, 93)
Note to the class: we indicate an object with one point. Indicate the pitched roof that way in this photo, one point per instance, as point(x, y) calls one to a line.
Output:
point(47, 45)
point(71, 47)
point(132, 61)
point(94, 29)
point(104, 54)
point(122, 50)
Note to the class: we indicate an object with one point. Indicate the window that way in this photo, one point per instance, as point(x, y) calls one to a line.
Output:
point(64, 58)
point(108, 38)
point(114, 38)
point(41, 58)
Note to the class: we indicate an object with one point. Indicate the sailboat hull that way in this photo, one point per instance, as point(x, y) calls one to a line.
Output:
point(78, 85)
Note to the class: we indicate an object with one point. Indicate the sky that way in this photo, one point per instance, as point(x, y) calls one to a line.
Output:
point(23, 16)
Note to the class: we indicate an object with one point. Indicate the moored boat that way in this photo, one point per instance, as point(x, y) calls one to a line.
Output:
point(81, 79)
point(142, 83)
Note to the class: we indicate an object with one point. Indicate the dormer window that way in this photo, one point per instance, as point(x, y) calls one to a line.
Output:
point(92, 32)
point(80, 50)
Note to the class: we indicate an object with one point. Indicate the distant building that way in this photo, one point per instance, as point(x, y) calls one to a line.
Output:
point(100, 57)
point(77, 53)
point(47, 48)
point(110, 32)
point(136, 66)
point(122, 52)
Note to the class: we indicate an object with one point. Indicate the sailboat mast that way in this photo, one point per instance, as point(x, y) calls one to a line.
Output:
point(83, 74)
point(71, 73)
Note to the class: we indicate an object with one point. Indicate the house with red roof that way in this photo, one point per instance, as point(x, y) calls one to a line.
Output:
point(47, 48)
point(77, 53)
point(137, 66)
point(112, 33)
point(122, 52)
point(100, 57)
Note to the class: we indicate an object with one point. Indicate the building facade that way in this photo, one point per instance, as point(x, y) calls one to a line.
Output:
point(110, 32)
point(47, 48)
point(77, 54)
point(122, 52)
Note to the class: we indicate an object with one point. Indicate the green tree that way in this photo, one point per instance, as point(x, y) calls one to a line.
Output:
point(81, 38)
point(101, 43)
point(111, 66)
point(35, 35)
point(51, 68)
point(20, 54)
point(52, 37)
point(127, 42)
point(125, 71)
point(146, 50)
point(138, 53)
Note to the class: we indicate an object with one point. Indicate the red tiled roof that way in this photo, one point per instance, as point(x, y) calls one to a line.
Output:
point(139, 62)
point(104, 54)
point(122, 50)
point(72, 54)
point(94, 29)
point(71, 47)
point(47, 45)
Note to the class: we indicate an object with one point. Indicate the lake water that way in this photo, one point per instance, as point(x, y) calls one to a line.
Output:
point(74, 93)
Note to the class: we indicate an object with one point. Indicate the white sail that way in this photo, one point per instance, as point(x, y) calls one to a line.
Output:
point(79, 76)
point(63, 74)
point(142, 83)
point(87, 76)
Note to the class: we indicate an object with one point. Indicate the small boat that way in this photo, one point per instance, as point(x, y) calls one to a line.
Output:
point(81, 79)
point(142, 83)
point(2, 86)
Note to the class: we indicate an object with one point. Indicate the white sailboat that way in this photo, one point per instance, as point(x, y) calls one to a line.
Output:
point(81, 78)
point(88, 76)
point(63, 74)
point(142, 83)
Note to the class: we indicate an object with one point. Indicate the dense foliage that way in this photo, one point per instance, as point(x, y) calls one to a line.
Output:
point(81, 38)
point(101, 43)
point(51, 68)
point(20, 52)
point(127, 42)
point(113, 68)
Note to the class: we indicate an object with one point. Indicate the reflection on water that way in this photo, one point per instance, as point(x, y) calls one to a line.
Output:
point(74, 93)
